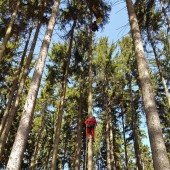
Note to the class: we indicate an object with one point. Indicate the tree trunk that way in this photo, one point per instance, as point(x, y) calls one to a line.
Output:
point(108, 155)
point(38, 139)
point(25, 123)
point(14, 85)
point(135, 128)
point(165, 14)
point(116, 159)
point(136, 143)
point(159, 154)
point(61, 105)
point(124, 139)
point(14, 107)
point(113, 167)
point(90, 142)
point(8, 31)
point(79, 132)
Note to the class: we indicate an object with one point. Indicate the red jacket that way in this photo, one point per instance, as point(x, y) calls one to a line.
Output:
point(91, 121)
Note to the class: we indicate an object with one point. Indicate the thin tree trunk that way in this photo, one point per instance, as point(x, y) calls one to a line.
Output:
point(116, 161)
point(107, 112)
point(159, 153)
point(14, 85)
point(25, 123)
point(79, 132)
point(90, 142)
point(139, 163)
point(108, 155)
point(113, 167)
point(8, 31)
point(85, 154)
point(38, 139)
point(165, 14)
point(46, 162)
point(125, 144)
point(138, 155)
point(61, 105)
point(136, 144)
point(159, 68)
point(14, 107)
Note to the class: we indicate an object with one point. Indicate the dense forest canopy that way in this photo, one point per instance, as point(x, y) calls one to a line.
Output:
point(48, 89)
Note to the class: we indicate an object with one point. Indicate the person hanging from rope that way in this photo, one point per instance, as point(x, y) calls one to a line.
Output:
point(94, 26)
point(90, 127)
point(97, 12)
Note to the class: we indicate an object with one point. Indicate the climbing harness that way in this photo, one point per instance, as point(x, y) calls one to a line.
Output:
point(90, 125)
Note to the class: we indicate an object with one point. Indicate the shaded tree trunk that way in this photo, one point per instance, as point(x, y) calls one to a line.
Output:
point(61, 104)
point(159, 153)
point(135, 128)
point(8, 31)
point(116, 159)
point(90, 142)
point(107, 120)
point(108, 154)
point(113, 167)
point(26, 120)
point(38, 139)
point(79, 132)
point(136, 143)
point(125, 143)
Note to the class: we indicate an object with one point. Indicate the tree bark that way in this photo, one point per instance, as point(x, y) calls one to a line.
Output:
point(79, 132)
point(90, 142)
point(125, 143)
point(113, 167)
point(108, 154)
point(159, 153)
point(25, 123)
point(8, 31)
point(38, 139)
point(136, 143)
point(135, 128)
point(61, 104)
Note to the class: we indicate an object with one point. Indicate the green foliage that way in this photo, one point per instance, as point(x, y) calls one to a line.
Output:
point(115, 79)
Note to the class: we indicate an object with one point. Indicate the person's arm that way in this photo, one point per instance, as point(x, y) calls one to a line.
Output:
point(86, 121)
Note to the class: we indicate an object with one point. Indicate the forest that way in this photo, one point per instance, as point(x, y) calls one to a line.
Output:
point(49, 88)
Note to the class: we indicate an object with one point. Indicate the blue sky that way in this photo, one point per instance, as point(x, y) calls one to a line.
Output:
point(118, 25)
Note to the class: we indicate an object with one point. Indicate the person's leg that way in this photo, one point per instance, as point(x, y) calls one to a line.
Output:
point(93, 133)
point(87, 133)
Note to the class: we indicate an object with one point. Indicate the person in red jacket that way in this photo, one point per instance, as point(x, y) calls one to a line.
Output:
point(90, 127)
